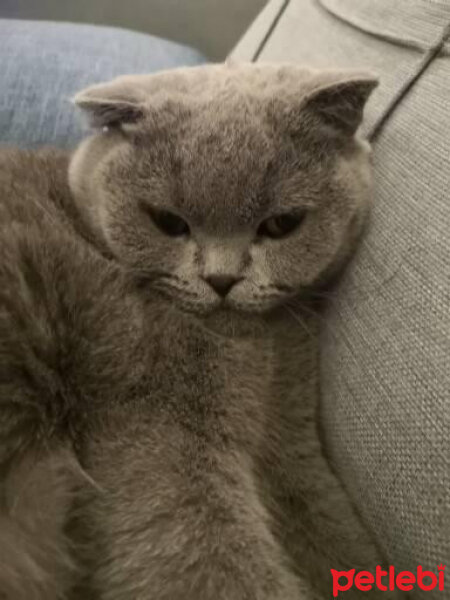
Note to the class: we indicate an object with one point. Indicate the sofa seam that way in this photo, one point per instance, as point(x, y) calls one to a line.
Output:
point(364, 27)
point(428, 57)
point(270, 31)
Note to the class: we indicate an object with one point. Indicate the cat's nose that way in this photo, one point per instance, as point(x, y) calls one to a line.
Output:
point(222, 284)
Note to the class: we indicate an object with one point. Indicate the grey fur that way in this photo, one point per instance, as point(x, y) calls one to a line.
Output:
point(157, 442)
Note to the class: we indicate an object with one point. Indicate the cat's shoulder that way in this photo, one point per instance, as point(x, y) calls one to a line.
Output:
point(67, 323)
point(33, 183)
point(46, 264)
point(36, 169)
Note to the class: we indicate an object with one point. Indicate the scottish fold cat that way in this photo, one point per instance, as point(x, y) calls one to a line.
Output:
point(159, 329)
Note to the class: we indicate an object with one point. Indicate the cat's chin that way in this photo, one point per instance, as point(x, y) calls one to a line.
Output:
point(222, 319)
point(233, 324)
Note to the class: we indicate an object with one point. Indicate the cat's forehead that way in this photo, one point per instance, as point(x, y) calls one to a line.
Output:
point(207, 81)
point(224, 157)
point(221, 157)
point(226, 163)
point(216, 128)
point(223, 137)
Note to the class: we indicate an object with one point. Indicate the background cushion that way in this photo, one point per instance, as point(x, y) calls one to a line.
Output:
point(43, 64)
point(212, 26)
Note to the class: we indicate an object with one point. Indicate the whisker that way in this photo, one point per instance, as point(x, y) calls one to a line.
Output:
point(299, 320)
point(295, 303)
point(166, 286)
point(143, 278)
point(367, 293)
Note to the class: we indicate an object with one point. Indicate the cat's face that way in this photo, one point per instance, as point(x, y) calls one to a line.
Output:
point(226, 187)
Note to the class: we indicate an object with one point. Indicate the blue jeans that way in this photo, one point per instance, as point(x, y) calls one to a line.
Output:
point(43, 64)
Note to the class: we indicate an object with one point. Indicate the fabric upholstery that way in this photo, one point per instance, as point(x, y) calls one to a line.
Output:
point(386, 340)
point(43, 64)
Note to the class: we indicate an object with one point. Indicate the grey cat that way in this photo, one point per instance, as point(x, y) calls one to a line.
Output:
point(159, 340)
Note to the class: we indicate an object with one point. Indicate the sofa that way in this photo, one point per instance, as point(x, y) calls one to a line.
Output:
point(386, 344)
point(385, 410)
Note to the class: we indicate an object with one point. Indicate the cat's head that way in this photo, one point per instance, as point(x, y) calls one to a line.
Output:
point(227, 186)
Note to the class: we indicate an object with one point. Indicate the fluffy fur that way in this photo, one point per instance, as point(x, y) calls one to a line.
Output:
point(159, 439)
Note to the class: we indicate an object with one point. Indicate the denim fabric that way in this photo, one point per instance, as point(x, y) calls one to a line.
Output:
point(43, 64)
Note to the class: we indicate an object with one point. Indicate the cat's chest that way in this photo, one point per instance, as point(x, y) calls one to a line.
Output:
point(175, 376)
point(296, 355)
point(162, 359)
point(184, 361)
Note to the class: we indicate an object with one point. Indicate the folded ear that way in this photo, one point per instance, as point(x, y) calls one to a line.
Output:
point(117, 103)
point(340, 104)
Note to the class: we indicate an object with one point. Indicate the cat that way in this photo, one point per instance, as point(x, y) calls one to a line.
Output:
point(159, 345)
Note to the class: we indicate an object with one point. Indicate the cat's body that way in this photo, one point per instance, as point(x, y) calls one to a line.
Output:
point(169, 450)
point(148, 451)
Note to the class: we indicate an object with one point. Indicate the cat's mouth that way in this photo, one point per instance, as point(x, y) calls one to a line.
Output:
point(228, 308)
point(253, 306)
point(231, 306)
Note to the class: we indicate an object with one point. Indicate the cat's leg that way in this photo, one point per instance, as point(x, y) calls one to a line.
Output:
point(178, 517)
point(38, 472)
point(315, 519)
point(35, 557)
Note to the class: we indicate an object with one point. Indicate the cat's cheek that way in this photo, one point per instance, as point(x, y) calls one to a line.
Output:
point(187, 254)
point(260, 271)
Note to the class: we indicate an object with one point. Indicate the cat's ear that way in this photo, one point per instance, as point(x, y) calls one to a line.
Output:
point(340, 99)
point(117, 103)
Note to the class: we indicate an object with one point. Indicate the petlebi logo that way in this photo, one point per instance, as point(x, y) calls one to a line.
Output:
point(388, 580)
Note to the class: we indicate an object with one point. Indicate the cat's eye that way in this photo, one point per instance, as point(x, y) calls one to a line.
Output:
point(169, 223)
point(280, 226)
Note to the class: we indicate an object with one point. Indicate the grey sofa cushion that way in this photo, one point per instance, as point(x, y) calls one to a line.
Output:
point(386, 344)
point(43, 64)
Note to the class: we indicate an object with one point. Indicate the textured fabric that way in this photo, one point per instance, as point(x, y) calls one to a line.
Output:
point(43, 64)
point(386, 339)
point(415, 23)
